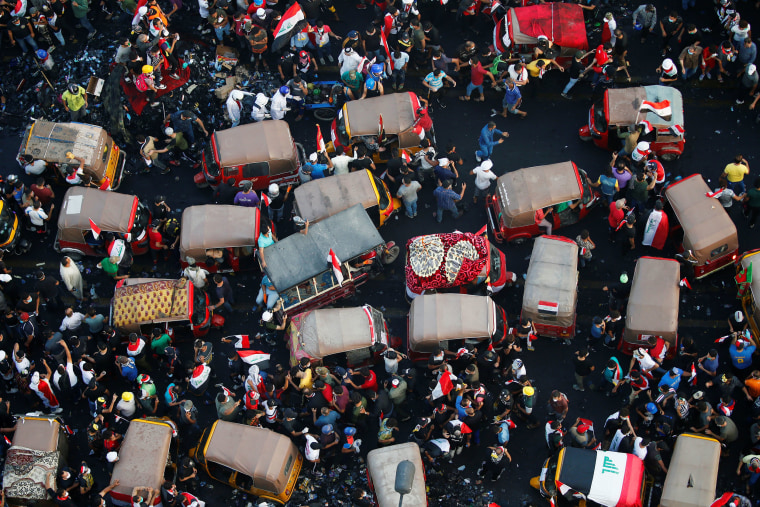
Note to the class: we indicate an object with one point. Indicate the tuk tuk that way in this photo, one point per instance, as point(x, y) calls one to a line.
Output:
point(226, 234)
point(255, 460)
point(111, 212)
point(749, 290)
point(519, 194)
point(693, 472)
point(398, 128)
point(454, 260)
point(38, 452)
point(360, 333)
point(551, 287)
point(141, 304)
point(12, 240)
point(319, 199)
point(620, 110)
point(49, 141)
point(436, 319)
point(653, 305)
point(298, 265)
point(147, 457)
point(381, 475)
point(262, 153)
point(708, 231)
point(610, 479)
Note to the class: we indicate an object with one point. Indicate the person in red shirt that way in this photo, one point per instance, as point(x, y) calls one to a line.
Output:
point(43, 192)
point(478, 74)
point(156, 243)
point(616, 217)
point(369, 379)
point(424, 120)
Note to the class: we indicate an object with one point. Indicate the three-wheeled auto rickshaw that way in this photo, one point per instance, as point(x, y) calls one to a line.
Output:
point(110, 212)
point(436, 319)
point(225, 233)
point(692, 473)
point(619, 110)
point(321, 198)
point(561, 23)
point(519, 194)
point(299, 268)
point(461, 260)
point(262, 153)
point(652, 305)
point(551, 287)
point(360, 333)
point(49, 141)
point(147, 457)
point(12, 240)
point(38, 452)
point(362, 118)
point(255, 460)
point(610, 479)
point(381, 475)
point(749, 290)
point(708, 231)
point(141, 304)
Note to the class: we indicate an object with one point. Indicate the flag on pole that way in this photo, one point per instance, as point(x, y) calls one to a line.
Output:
point(685, 283)
point(320, 140)
point(19, 9)
point(647, 126)
point(444, 385)
point(333, 260)
point(723, 338)
point(384, 40)
point(137, 17)
point(693, 376)
point(239, 341)
point(405, 156)
point(743, 281)
point(291, 21)
point(95, 229)
point(253, 356)
point(227, 392)
point(661, 109)
point(380, 128)
point(265, 200)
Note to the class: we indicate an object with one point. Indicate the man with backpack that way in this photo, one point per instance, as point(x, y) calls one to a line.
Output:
point(145, 83)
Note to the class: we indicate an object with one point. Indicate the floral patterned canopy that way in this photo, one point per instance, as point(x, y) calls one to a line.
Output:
point(438, 261)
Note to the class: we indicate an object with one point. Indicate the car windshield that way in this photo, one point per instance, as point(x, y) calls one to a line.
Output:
point(199, 308)
point(495, 273)
point(600, 122)
point(6, 224)
point(208, 157)
point(340, 127)
point(588, 194)
point(382, 194)
point(142, 215)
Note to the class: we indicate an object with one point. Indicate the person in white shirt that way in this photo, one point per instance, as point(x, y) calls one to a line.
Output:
point(33, 167)
point(519, 73)
point(259, 112)
point(67, 369)
point(340, 161)
point(72, 320)
point(348, 60)
point(483, 178)
point(235, 105)
point(37, 216)
point(195, 274)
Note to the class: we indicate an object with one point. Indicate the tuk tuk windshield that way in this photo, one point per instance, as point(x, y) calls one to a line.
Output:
point(142, 215)
point(208, 156)
point(588, 194)
point(199, 308)
point(382, 195)
point(378, 323)
point(600, 121)
point(340, 129)
point(6, 223)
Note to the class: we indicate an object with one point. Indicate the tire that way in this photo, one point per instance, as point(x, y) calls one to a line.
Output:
point(518, 241)
point(392, 254)
point(586, 138)
point(202, 185)
point(324, 114)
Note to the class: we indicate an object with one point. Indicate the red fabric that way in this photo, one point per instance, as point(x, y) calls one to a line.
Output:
point(156, 240)
point(424, 120)
point(616, 216)
point(371, 382)
point(606, 33)
point(327, 393)
point(661, 235)
point(478, 74)
point(137, 98)
point(469, 270)
point(562, 23)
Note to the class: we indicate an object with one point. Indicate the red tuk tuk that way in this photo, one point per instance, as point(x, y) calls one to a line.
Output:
point(620, 110)
point(519, 194)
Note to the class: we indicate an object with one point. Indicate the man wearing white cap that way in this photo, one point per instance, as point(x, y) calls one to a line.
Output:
point(483, 178)
point(641, 151)
point(747, 83)
point(668, 72)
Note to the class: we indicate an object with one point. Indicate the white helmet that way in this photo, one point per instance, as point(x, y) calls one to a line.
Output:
point(261, 99)
point(274, 189)
point(236, 95)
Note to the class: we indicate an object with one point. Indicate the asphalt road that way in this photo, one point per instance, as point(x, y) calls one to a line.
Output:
point(715, 132)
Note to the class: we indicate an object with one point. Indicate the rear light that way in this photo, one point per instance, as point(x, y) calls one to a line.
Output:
point(733, 258)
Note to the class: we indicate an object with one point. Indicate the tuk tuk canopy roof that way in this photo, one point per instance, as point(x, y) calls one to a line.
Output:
point(398, 111)
point(111, 211)
point(693, 472)
point(523, 192)
point(562, 23)
point(705, 222)
point(300, 257)
point(325, 197)
point(653, 301)
point(438, 261)
point(437, 317)
point(217, 226)
point(611, 479)
point(259, 453)
point(381, 465)
point(50, 141)
point(147, 300)
point(254, 142)
point(143, 456)
point(336, 330)
point(624, 105)
point(38, 433)
point(551, 284)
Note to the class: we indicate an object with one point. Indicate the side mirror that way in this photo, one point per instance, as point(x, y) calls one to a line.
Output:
point(404, 478)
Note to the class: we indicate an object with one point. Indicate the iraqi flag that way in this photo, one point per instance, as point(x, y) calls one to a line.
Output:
point(722, 339)
point(292, 21)
point(200, 375)
point(647, 126)
point(335, 263)
point(384, 40)
point(656, 230)
point(714, 195)
point(253, 356)
point(548, 308)
point(661, 109)
point(265, 200)
point(240, 341)
point(405, 157)
point(137, 17)
point(677, 130)
point(444, 386)
point(19, 9)
point(95, 229)
point(380, 128)
point(693, 376)
point(320, 141)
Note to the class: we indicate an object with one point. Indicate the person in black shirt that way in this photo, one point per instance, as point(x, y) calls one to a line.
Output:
point(672, 26)
point(225, 192)
point(583, 368)
point(576, 71)
point(47, 289)
point(372, 45)
point(362, 161)
point(629, 234)
point(285, 65)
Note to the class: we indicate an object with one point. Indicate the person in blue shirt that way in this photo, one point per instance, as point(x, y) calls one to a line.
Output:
point(512, 100)
point(327, 416)
point(490, 136)
point(672, 379)
point(609, 185)
point(445, 170)
point(446, 199)
point(314, 170)
point(741, 353)
point(708, 364)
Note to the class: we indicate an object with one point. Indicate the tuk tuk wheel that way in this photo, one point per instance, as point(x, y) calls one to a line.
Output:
point(324, 114)
point(391, 254)
point(669, 156)
point(75, 255)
